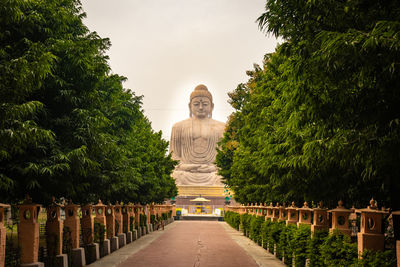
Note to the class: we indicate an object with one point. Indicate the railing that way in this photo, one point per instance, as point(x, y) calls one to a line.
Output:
point(44, 235)
point(372, 229)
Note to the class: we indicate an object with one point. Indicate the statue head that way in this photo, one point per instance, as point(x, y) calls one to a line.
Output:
point(201, 105)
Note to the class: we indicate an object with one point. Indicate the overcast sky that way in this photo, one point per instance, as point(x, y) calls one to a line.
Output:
point(167, 47)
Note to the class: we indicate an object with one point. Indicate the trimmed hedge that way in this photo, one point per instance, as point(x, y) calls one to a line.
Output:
point(233, 219)
point(295, 243)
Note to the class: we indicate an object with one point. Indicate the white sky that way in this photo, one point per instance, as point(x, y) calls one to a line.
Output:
point(167, 47)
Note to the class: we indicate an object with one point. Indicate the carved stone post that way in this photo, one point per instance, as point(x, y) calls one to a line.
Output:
point(275, 212)
point(293, 215)
point(340, 219)
point(304, 215)
point(54, 234)
point(71, 225)
point(3, 234)
point(126, 223)
point(104, 244)
point(270, 211)
point(92, 252)
point(110, 220)
point(119, 222)
point(320, 219)
point(137, 220)
point(87, 224)
point(370, 236)
point(28, 233)
point(282, 213)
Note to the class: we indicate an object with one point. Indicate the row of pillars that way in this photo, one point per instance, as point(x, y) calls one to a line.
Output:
point(370, 236)
point(107, 215)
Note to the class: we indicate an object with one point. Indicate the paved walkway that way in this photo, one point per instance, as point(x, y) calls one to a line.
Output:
point(191, 243)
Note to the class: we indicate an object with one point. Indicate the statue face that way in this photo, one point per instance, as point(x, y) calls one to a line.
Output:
point(201, 107)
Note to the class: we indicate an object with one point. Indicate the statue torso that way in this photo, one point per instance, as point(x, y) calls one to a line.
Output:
point(193, 143)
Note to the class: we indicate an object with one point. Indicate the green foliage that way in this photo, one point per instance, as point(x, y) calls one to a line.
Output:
point(132, 223)
point(68, 128)
point(245, 223)
point(99, 233)
point(255, 228)
point(378, 259)
point(314, 248)
point(265, 232)
point(295, 243)
point(142, 220)
point(337, 250)
point(152, 219)
point(320, 118)
point(233, 219)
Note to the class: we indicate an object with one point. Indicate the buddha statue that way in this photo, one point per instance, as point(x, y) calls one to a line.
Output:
point(194, 141)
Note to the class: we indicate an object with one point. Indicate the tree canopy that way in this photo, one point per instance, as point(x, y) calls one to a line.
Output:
point(68, 128)
point(320, 119)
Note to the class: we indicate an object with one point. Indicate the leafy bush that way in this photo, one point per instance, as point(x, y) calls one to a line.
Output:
point(233, 219)
point(265, 232)
point(322, 249)
point(314, 248)
point(337, 250)
point(245, 223)
point(255, 228)
point(378, 259)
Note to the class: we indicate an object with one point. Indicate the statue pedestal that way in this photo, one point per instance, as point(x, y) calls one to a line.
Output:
point(204, 191)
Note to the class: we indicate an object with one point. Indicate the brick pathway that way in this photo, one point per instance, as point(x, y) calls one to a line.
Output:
point(192, 243)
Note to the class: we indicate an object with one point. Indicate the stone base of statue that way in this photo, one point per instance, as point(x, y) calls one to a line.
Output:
point(205, 191)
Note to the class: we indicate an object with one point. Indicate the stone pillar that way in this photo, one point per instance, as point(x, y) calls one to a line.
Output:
point(282, 213)
point(28, 233)
point(92, 252)
point(304, 215)
point(275, 213)
point(320, 219)
point(270, 212)
point(293, 215)
point(110, 221)
point(174, 210)
point(119, 222)
point(370, 236)
point(340, 219)
point(125, 219)
point(54, 234)
point(104, 244)
point(87, 224)
point(3, 234)
point(100, 217)
point(127, 223)
point(118, 218)
point(72, 226)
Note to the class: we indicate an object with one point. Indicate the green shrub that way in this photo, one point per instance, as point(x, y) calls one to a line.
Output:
point(378, 259)
point(301, 238)
point(265, 232)
point(245, 223)
point(314, 248)
point(255, 228)
point(286, 243)
point(152, 219)
point(337, 250)
point(233, 219)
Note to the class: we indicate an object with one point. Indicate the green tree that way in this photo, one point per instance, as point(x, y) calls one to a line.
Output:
point(322, 119)
point(68, 128)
